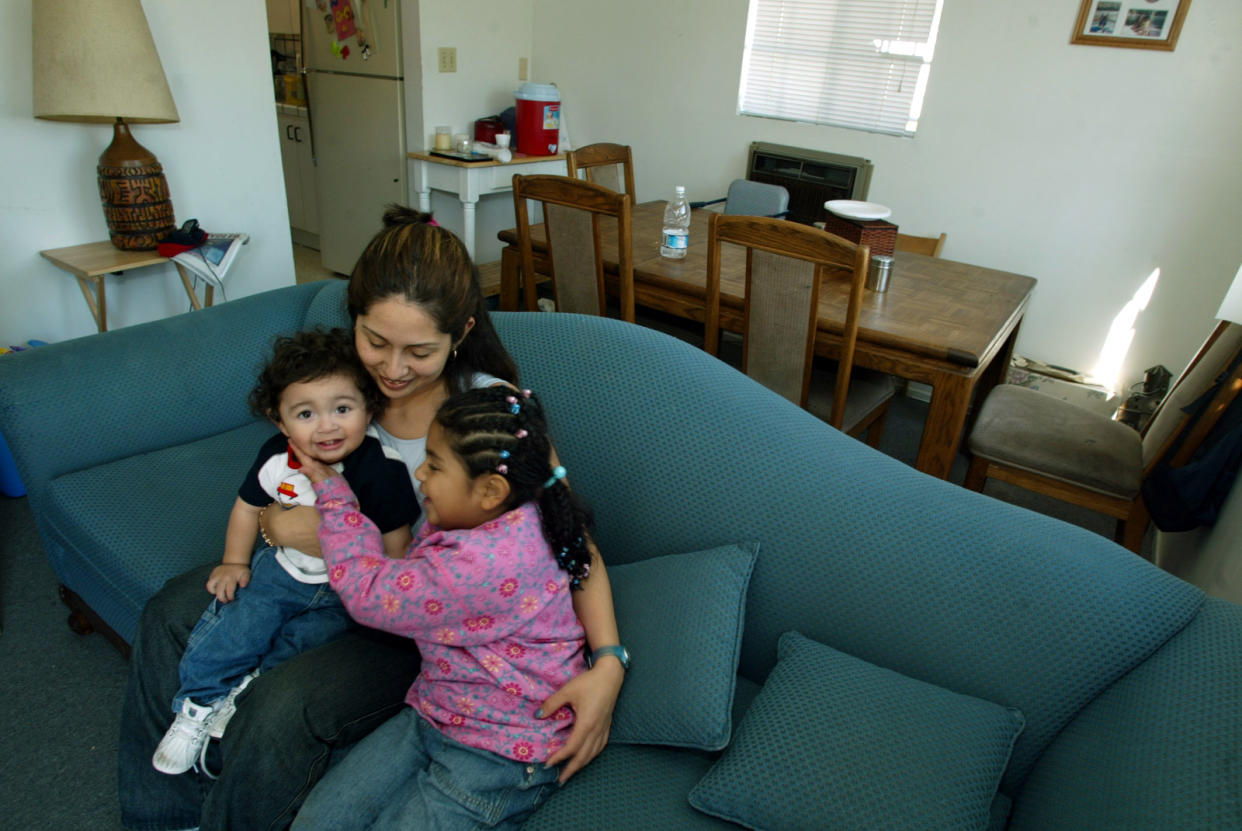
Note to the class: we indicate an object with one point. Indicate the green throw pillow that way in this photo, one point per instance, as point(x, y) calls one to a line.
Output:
point(680, 617)
point(832, 741)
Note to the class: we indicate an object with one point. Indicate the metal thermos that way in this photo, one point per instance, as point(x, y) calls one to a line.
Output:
point(879, 272)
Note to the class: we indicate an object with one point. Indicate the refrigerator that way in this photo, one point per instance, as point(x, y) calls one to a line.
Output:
point(355, 93)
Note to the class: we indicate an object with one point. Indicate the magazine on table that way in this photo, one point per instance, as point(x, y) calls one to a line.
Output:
point(212, 259)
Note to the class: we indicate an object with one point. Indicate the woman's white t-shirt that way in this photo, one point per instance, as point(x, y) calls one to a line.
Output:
point(414, 451)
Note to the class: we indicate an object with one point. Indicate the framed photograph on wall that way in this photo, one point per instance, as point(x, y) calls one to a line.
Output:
point(1134, 24)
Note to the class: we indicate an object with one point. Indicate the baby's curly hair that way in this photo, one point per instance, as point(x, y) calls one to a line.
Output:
point(306, 356)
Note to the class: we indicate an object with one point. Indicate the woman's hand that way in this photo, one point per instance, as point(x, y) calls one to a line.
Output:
point(226, 579)
point(592, 696)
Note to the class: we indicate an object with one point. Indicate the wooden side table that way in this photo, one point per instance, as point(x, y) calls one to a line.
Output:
point(93, 262)
point(470, 180)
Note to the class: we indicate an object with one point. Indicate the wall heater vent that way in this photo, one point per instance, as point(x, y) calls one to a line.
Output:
point(810, 176)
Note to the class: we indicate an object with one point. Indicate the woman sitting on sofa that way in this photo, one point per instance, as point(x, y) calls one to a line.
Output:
point(422, 330)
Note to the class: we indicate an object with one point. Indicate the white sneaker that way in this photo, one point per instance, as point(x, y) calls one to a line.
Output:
point(224, 709)
point(179, 749)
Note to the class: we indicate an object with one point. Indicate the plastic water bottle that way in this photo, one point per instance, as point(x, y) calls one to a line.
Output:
point(676, 226)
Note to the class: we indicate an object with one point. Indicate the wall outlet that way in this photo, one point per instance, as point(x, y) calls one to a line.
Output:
point(522, 69)
point(448, 58)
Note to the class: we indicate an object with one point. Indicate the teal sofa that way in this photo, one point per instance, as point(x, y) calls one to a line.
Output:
point(1075, 684)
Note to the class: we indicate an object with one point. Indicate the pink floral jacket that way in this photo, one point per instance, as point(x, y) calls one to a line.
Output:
point(490, 611)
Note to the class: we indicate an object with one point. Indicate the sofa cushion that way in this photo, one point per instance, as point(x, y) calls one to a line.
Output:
point(116, 532)
point(680, 616)
point(630, 786)
point(835, 742)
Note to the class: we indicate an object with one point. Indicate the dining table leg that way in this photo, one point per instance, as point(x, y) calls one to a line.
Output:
point(942, 433)
point(997, 372)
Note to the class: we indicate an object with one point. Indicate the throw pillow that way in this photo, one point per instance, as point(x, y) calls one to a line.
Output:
point(832, 741)
point(681, 617)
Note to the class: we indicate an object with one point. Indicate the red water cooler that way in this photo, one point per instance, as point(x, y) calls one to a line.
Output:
point(538, 119)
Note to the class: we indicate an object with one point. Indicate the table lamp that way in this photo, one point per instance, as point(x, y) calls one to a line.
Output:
point(95, 62)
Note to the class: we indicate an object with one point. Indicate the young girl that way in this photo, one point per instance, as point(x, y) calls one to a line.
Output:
point(485, 592)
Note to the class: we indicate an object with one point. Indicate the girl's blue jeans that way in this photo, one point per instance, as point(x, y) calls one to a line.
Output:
point(407, 774)
point(271, 619)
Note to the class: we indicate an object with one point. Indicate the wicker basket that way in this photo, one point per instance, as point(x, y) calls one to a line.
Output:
point(879, 235)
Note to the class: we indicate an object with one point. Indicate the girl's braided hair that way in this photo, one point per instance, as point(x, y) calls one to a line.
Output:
point(502, 430)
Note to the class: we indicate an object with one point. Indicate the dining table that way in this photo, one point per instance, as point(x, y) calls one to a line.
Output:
point(947, 324)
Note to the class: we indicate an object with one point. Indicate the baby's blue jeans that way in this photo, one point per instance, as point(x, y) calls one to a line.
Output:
point(271, 619)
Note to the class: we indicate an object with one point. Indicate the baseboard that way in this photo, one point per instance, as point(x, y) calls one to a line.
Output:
point(301, 237)
point(918, 391)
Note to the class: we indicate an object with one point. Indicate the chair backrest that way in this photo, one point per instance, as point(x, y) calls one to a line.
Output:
point(931, 246)
point(572, 211)
point(786, 263)
point(747, 198)
point(610, 165)
point(1218, 354)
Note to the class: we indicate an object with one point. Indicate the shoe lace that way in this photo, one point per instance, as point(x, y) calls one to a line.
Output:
point(201, 767)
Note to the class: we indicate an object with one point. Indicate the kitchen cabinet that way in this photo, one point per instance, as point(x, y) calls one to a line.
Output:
point(284, 17)
point(298, 162)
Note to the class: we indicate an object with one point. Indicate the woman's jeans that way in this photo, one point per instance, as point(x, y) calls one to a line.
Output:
point(277, 746)
point(408, 775)
point(271, 619)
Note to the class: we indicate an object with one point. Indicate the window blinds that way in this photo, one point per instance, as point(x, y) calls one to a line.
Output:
point(849, 63)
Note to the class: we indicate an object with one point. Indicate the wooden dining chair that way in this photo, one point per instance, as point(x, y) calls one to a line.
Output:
point(931, 246)
point(610, 165)
point(786, 264)
point(1049, 446)
point(572, 213)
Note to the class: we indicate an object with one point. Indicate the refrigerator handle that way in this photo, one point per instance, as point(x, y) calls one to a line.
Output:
point(310, 111)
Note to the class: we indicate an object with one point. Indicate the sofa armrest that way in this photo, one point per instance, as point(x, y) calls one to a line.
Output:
point(1160, 748)
point(107, 396)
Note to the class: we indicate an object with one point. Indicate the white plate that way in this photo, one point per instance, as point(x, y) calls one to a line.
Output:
point(852, 209)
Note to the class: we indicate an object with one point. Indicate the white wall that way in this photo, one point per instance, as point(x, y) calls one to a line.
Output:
point(1085, 167)
point(222, 162)
point(490, 36)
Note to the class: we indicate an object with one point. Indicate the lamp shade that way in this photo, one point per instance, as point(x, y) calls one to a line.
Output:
point(1231, 306)
point(95, 61)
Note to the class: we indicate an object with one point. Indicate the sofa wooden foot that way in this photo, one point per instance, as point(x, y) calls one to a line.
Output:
point(79, 624)
point(84, 621)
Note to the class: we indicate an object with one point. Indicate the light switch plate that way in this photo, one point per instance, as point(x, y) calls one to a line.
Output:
point(448, 58)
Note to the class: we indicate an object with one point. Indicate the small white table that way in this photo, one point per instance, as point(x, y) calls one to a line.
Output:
point(470, 180)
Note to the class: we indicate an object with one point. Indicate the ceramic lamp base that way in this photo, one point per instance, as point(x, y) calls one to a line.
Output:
point(134, 193)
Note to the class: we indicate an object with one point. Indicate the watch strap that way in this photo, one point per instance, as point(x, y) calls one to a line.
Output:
point(619, 652)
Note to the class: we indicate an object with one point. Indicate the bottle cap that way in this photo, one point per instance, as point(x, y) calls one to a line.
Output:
point(681, 190)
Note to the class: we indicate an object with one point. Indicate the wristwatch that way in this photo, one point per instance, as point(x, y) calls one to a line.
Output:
point(620, 652)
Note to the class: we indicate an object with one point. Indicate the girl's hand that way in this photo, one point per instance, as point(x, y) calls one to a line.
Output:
point(314, 469)
point(226, 579)
point(592, 696)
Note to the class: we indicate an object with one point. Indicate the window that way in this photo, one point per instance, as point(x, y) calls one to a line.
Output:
point(861, 64)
